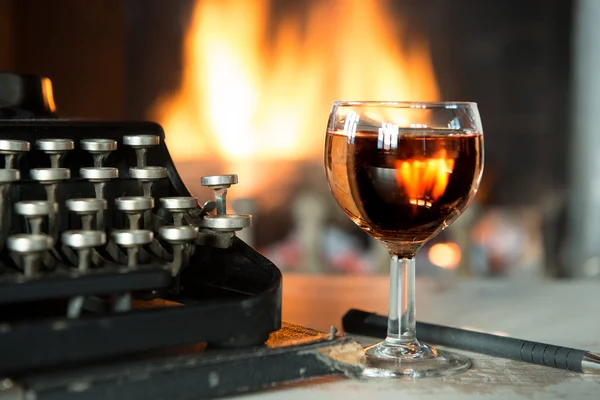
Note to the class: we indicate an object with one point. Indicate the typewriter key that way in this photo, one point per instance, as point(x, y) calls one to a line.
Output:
point(220, 184)
point(141, 144)
point(131, 240)
point(50, 177)
point(178, 237)
point(86, 208)
point(134, 207)
point(226, 223)
point(12, 150)
point(30, 248)
point(147, 176)
point(83, 242)
point(7, 176)
point(177, 206)
point(55, 148)
point(100, 149)
point(34, 212)
point(98, 176)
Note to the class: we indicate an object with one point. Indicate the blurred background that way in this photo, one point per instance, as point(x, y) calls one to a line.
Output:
point(246, 86)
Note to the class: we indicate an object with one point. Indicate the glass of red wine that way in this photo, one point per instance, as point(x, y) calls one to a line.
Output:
point(403, 172)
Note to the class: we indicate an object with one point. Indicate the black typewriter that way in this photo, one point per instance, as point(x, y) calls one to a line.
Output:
point(110, 270)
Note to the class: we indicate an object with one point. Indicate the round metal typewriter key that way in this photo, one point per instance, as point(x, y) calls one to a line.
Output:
point(134, 203)
point(55, 148)
point(178, 203)
point(82, 242)
point(14, 146)
point(99, 174)
point(132, 238)
point(177, 206)
point(178, 237)
point(148, 175)
point(54, 145)
point(34, 212)
point(50, 175)
point(80, 239)
point(12, 149)
point(178, 234)
point(100, 149)
point(9, 175)
point(30, 248)
point(23, 243)
point(133, 207)
point(86, 208)
point(141, 140)
point(141, 143)
point(220, 184)
point(226, 223)
point(219, 181)
point(35, 208)
point(98, 145)
point(85, 205)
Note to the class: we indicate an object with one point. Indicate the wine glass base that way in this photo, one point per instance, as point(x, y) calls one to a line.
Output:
point(385, 360)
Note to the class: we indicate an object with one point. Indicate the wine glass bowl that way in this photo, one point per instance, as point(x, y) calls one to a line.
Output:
point(403, 172)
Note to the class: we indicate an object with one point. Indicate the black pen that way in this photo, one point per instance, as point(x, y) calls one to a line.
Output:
point(371, 324)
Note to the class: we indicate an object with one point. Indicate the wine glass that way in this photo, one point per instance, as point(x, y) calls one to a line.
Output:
point(404, 171)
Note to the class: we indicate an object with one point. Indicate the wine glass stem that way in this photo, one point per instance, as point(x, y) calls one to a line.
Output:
point(401, 315)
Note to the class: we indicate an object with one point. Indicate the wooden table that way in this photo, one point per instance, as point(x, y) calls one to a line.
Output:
point(557, 312)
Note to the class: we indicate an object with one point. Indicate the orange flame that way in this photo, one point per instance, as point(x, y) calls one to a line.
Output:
point(425, 180)
point(259, 88)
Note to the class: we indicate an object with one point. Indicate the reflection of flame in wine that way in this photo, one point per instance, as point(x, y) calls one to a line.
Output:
point(424, 180)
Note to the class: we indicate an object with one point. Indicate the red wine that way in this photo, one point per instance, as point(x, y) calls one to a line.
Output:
point(404, 187)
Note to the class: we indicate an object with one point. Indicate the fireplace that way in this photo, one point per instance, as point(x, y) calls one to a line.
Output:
point(245, 87)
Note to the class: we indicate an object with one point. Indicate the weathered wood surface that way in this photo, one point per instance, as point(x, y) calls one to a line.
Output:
point(557, 312)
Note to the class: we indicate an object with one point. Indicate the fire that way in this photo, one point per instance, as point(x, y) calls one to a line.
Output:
point(255, 87)
point(425, 180)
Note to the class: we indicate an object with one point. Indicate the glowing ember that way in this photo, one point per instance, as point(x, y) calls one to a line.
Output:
point(424, 180)
point(255, 88)
point(445, 255)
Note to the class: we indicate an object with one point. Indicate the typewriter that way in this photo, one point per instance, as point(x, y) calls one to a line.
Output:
point(115, 282)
